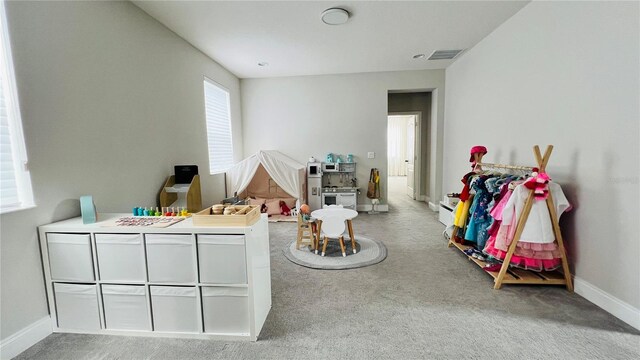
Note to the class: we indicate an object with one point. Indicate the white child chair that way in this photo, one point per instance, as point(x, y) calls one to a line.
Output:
point(305, 234)
point(333, 228)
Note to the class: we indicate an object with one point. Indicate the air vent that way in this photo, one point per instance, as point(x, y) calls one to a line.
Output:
point(444, 54)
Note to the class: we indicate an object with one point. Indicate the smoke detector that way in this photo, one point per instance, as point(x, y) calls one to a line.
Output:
point(335, 16)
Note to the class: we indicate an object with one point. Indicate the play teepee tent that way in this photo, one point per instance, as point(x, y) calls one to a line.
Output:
point(268, 174)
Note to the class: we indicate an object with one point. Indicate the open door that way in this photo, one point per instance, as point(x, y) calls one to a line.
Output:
point(403, 159)
point(410, 160)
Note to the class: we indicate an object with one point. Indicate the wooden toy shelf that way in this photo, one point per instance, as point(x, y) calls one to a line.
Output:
point(182, 195)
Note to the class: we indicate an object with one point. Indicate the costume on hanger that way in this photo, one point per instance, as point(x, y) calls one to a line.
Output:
point(480, 219)
point(536, 250)
point(517, 219)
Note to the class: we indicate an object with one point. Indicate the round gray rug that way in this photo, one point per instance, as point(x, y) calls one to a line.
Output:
point(369, 252)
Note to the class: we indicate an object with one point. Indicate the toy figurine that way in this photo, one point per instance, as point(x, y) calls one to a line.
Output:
point(284, 209)
point(305, 213)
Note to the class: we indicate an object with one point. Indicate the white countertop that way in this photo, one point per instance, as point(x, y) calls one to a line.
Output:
point(184, 226)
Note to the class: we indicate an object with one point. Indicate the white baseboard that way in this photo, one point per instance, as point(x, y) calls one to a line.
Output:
point(433, 206)
point(25, 338)
point(607, 302)
point(379, 207)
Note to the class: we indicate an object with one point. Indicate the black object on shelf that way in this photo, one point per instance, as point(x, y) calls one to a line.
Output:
point(185, 173)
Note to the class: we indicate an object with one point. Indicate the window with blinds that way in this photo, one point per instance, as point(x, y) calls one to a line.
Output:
point(15, 183)
point(216, 100)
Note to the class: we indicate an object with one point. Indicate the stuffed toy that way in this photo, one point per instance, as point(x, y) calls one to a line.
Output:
point(284, 209)
point(263, 208)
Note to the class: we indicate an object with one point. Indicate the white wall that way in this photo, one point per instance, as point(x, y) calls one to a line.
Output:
point(567, 74)
point(315, 115)
point(110, 101)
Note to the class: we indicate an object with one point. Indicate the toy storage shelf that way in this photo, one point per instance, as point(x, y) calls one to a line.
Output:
point(181, 281)
point(182, 195)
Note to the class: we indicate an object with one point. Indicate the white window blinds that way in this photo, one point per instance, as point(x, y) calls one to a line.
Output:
point(7, 174)
point(216, 100)
point(15, 183)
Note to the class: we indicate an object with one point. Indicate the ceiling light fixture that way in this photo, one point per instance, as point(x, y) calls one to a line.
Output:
point(263, 64)
point(335, 16)
point(419, 56)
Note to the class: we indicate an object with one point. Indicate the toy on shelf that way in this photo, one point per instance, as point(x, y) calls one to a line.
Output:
point(182, 189)
point(164, 211)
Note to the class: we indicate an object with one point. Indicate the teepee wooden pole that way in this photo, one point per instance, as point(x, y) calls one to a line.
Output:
point(516, 237)
point(558, 234)
point(554, 220)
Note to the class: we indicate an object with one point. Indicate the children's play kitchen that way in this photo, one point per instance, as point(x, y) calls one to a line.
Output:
point(332, 182)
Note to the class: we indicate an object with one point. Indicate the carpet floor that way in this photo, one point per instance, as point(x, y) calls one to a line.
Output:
point(425, 301)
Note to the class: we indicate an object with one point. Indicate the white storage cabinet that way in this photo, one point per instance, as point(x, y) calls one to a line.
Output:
point(181, 281)
point(445, 214)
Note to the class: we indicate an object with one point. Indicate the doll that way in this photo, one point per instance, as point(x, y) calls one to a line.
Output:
point(284, 209)
point(305, 213)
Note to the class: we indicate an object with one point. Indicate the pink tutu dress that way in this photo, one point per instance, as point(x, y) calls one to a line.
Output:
point(537, 249)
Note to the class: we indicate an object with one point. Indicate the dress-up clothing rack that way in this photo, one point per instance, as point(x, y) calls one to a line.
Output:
point(507, 274)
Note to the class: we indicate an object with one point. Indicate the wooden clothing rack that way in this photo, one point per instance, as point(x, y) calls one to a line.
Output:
point(479, 165)
point(508, 275)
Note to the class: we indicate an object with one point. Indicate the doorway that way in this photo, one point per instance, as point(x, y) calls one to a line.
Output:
point(403, 156)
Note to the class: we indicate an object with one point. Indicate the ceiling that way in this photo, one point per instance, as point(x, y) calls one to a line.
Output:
point(291, 38)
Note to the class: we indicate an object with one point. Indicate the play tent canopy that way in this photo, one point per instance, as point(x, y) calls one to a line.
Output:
point(268, 174)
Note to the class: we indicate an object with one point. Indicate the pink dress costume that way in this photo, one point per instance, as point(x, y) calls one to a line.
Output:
point(537, 249)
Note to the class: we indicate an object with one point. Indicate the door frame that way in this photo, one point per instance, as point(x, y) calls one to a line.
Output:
point(417, 161)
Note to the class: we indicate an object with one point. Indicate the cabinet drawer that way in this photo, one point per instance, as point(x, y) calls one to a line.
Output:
point(77, 306)
point(225, 310)
point(445, 216)
point(222, 259)
point(70, 257)
point(125, 307)
point(347, 200)
point(174, 308)
point(120, 257)
point(170, 258)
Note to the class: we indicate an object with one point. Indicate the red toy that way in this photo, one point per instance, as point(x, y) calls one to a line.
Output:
point(284, 209)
